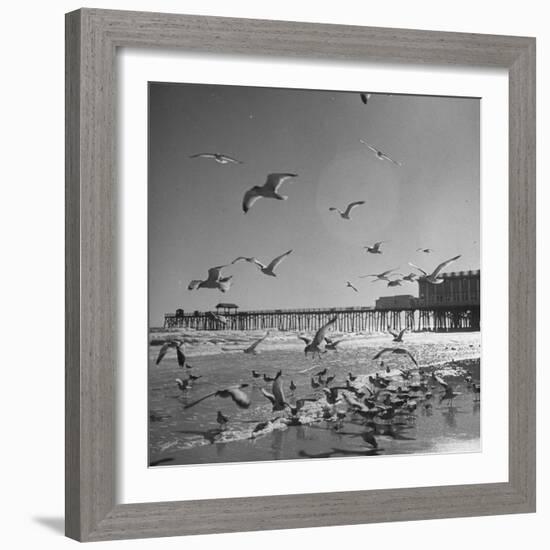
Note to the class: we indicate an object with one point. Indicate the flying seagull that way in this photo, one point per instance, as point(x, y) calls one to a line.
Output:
point(268, 190)
point(379, 154)
point(395, 282)
point(433, 277)
point(397, 336)
point(265, 269)
point(397, 351)
point(172, 344)
point(218, 157)
point(379, 276)
point(214, 280)
point(375, 248)
point(313, 345)
point(234, 392)
point(277, 396)
point(252, 349)
point(410, 277)
point(345, 215)
point(425, 250)
point(348, 284)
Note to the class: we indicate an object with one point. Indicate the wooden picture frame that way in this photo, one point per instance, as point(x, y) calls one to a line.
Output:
point(92, 39)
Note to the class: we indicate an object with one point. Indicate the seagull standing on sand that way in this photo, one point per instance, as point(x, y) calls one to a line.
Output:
point(313, 345)
point(221, 419)
point(345, 215)
point(349, 285)
point(379, 154)
point(433, 277)
point(252, 349)
point(214, 280)
point(379, 276)
point(268, 190)
point(375, 248)
point(218, 157)
point(265, 269)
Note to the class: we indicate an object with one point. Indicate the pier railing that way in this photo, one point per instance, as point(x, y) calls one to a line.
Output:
point(349, 319)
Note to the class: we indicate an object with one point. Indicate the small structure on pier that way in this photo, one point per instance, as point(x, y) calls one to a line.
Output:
point(225, 309)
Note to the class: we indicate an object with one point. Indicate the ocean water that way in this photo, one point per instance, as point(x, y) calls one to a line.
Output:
point(192, 436)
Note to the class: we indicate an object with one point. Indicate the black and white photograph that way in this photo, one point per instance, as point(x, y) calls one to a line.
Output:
point(314, 274)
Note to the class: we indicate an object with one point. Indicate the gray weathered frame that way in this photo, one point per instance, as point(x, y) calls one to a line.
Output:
point(92, 38)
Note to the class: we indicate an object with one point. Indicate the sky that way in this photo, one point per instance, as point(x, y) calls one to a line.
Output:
point(195, 215)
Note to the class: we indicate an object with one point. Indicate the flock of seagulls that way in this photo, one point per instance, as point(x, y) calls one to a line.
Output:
point(384, 403)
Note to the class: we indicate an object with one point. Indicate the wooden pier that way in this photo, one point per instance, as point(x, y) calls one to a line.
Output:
point(353, 319)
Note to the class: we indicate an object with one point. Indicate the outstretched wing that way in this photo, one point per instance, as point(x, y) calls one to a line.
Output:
point(388, 272)
point(257, 342)
point(189, 405)
point(419, 269)
point(384, 156)
point(251, 260)
point(444, 264)
point(275, 180)
point(373, 149)
point(411, 357)
point(274, 263)
point(278, 392)
point(214, 273)
point(334, 209)
point(392, 332)
point(203, 155)
point(306, 340)
point(181, 357)
point(250, 197)
point(231, 159)
point(381, 352)
point(351, 206)
point(194, 284)
point(401, 333)
point(320, 334)
point(268, 395)
point(162, 352)
point(440, 380)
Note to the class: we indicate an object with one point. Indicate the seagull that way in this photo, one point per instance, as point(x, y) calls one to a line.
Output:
point(433, 277)
point(218, 157)
point(397, 336)
point(234, 392)
point(292, 385)
point(398, 351)
point(268, 190)
point(221, 419)
point(277, 395)
point(348, 284)
point(313, 345)
point(375, 248)
point(252, 349)
point(425, 250)
point(172, 344)
point(410, 277)
point(214, 280)
point(365, 97)
point(379, 276)
point(395, 282)
point(218, 318)
point(331, 344)
point(315, 384)
point(194, 377)
point(256, 374)
point(265, 269)
point(345, 215)
point(379, 154)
